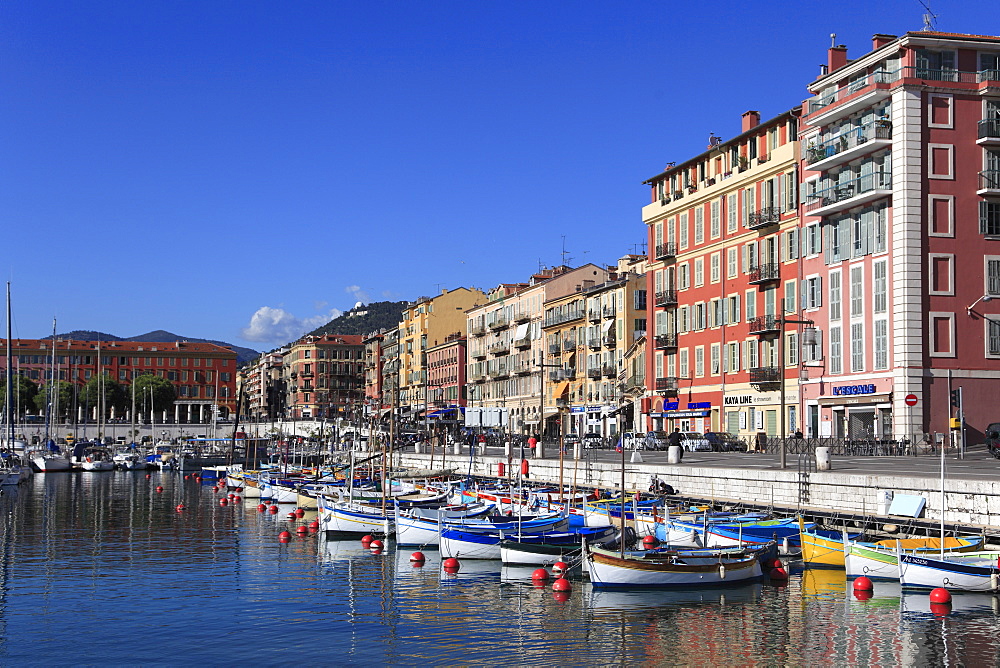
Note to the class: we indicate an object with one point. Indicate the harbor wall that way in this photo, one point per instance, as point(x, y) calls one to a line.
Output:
point(972, 503)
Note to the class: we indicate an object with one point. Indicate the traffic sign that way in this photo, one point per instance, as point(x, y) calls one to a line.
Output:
point(910, 399)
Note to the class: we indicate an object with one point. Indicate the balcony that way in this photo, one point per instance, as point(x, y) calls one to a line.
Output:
point(521, 368)
point(499, 322)
point(610, 340)
point(478, 353)
point(477, 329)
point(609, 312)
point(668, 384)
point(769, 215)
point(522, 317)
point(764, 273)
point(665, 341)
point(989, 182)
point(609, 371)
point(476, 377)
point(989, 131)
point(569, 373)
point(764, 324)
point(522, 343)
point(849, 194)
point(569, 345)
point(594, 373)
point(594, 315)
point(856, 95)
point(498, 372)
point(594, 343)
point(849, 145)
point(666, 298)
point(553, 319)
point(666, 251)
point(555, 349)
point(501, 348)
point(635, 383)
point(765, 375)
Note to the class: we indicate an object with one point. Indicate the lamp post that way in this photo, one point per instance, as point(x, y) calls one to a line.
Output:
point(561, 406)
point(541, 400)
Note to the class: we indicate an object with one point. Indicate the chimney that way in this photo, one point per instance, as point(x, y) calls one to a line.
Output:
point(751, 119)
point(836, 57)
point(879, 40)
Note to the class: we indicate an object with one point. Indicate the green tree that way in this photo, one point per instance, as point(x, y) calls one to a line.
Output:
point(64, 392)
point(102, 391)
point(160, 389)
point(25, 390)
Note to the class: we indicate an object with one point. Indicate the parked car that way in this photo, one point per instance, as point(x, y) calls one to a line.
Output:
point(571, 440)
point(657, 440)
point(993, 439)
point(692, 441)
point(723, 441)
point(593, 440)
point(629, 440)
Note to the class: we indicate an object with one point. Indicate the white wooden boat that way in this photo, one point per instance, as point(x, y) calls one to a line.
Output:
point(695, 568)
point(344, 517)
point(879, 561)
point(969, 571)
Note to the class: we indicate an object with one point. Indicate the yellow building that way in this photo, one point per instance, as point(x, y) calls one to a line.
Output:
point(426, 323)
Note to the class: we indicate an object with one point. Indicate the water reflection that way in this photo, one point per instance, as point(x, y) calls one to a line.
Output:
point(106, 551)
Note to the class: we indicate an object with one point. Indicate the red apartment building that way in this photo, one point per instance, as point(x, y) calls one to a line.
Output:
point(901, 236)
point(721, 274)
point(203, 374)
point(446, 364)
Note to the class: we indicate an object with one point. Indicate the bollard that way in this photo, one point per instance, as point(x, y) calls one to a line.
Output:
point(823, 459)
point(674, 454)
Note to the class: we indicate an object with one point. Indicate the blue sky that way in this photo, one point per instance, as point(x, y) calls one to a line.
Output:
point(243, 171)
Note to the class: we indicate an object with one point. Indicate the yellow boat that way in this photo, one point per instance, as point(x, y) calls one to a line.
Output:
point(827, 551)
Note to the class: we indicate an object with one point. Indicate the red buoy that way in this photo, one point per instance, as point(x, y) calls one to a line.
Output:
point(367, 540)
point(314, 525)
point(774, 562)
point(560, 567)
point(539, 574)
point(941, 609)
point(223, 502)
point(450, 563)
point(418, 557)
point(299, 512)
point(292, 517)
point(261, 507)
point(231, 495)
point(778, 573)
point(215, 488)
point(159, 489)
point(180, 507)
point(148, 476)
point(560, 596)
point(376, 551)
point(285, 534)
point(376, 545)
point(649, 542)
point(940, 595)
point(273, 510)
point(302, 530)
point(862, 594)
point(186, 476)
point(236, 499)
point(561, 584)
point(863, 584)
point(284, 540)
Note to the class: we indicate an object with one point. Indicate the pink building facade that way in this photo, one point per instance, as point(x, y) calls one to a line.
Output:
point(900, 238)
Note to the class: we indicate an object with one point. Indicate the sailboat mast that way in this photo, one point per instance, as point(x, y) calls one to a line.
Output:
point(9, 402)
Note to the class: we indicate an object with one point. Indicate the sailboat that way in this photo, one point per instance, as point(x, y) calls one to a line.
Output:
point(9, 473)
point(49, 459)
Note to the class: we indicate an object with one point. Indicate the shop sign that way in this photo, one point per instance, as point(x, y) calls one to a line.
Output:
point(699, 405)
point(850, 390)
point(685, 414)
point(759, 398)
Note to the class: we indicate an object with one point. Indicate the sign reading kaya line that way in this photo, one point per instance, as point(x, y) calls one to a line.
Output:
point(759, 398)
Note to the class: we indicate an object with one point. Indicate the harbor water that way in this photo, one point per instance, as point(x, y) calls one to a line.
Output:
point(103, 568)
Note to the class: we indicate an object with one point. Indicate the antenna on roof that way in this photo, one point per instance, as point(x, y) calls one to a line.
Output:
point(565, 254)
point(929, 17)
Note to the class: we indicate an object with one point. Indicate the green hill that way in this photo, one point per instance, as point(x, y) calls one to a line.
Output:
point(364, 319)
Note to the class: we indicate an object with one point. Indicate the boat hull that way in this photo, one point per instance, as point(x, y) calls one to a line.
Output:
point(610, 570)
point(973, 571)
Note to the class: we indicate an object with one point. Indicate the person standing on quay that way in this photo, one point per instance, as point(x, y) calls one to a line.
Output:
point(532, 442)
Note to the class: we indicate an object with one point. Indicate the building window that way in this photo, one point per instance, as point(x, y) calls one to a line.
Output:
point(942, 326)
point(992, 275)
point(714, 269)
point(792, 349)
point(790, 299)
point(989, 218)
point(751, 309)
point(940, 164)
point(699, 272)
point(683, 363)
point(857, 291)
point(880, 345)
point(732, 209)
point(941, 215)
point(880, 292)
point(750, 357)
point(682, 277)
point(716, 227)
point(734, 309)
point(791, 245)
point(835, 359)
point(992, 323)
point(683, 231)
point(812, 289)
point(942, 278)
point(732, 262)
point(835, 295)
point(857, 347)
point(811, 240)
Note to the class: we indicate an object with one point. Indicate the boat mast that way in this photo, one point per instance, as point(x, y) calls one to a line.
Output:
point(9, 402)
point(622, 541)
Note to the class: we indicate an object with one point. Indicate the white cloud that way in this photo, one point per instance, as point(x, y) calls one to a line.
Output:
point(276, 325)
point(359, 294)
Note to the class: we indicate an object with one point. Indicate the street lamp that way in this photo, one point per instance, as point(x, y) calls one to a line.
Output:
point(809, 333)
point(984, 298)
